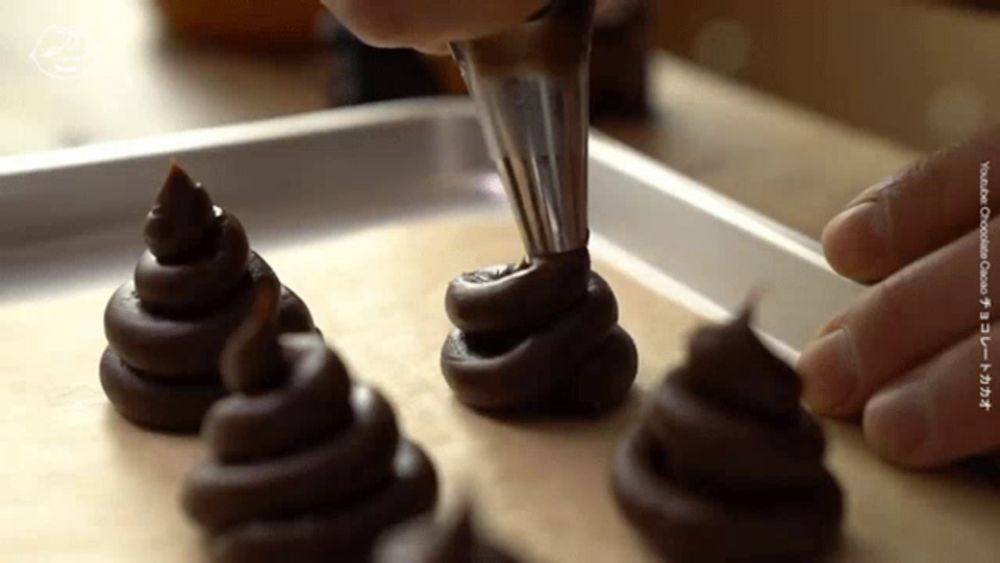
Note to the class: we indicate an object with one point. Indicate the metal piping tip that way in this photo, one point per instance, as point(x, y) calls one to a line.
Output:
point(530, 85)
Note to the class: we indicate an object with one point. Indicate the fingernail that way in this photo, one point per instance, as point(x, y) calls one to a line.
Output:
point(832, 325)
point(896, 423)
point(829, 369)
point(857, 241)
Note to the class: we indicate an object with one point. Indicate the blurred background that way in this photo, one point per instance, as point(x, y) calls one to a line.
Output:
point(790, 106)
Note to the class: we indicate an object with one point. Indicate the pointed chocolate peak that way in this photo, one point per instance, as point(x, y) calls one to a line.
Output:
point(177, 178)
point(182, 219)
point(746, 314)
point(252, 362)
point(730, 365)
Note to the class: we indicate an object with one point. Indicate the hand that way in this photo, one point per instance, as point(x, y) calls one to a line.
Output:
point(429, 25)
point(906, 356)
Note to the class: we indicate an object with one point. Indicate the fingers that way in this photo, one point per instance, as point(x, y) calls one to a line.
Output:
point(429, 24)
point(924, 207)
point(932, 416)
point(910, 317)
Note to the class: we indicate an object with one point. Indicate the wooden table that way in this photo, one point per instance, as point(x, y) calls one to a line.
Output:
point(792, 164)
point(135, 81)
point(789, 163)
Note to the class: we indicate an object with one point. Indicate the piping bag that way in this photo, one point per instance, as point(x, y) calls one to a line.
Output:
point(530, 85)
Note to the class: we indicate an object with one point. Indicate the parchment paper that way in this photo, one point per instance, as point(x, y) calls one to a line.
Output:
point(78, 484)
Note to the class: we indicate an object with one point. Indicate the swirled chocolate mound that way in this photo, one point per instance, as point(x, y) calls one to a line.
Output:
point(423, 541)
point(305, 465)
point(726, 465)
point(191, 290)
point(542, 336)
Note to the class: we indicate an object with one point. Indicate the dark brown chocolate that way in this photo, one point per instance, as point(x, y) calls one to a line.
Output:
point(423, 541)
point(306, 465)
point(191, 290)
point(538, 337)
point(726, 465)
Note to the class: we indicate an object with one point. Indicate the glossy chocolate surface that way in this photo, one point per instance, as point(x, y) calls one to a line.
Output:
point(305, 464)
point(191, 290)
point(537, 337)
point(726, 465)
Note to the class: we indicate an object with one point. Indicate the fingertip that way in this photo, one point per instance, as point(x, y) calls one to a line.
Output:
point(829, 371)
point(857, 242)
point(428, 25)
point(435, 49)
point(385, 24)
point(834, 323)
point(897, 425)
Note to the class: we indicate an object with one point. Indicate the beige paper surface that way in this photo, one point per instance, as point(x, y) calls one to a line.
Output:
point(77, 484)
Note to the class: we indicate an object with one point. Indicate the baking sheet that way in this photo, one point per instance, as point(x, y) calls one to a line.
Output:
point(81, 485)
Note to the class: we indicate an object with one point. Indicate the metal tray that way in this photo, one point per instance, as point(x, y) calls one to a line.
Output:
point(71, 214)
point(68, 236)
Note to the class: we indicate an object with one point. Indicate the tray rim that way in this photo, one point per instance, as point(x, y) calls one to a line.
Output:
point(773, 238)
point(256, 131)
point(602, 147)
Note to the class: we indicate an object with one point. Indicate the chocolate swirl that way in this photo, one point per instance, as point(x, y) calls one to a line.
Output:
point(191, 290)
point(726, 465)
point(539, 336)
point(424, 542)
point(305, 465)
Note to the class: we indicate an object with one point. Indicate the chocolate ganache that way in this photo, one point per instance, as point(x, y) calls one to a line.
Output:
point(726, 465)
point(541, 336)
point(423, 541)
point(305, 465)
point(191, 290)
